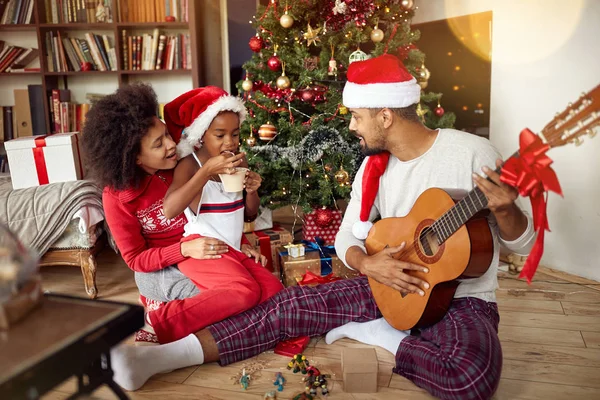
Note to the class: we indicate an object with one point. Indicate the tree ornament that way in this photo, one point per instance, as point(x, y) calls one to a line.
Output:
point(251, 140)
point(311, 63)
point(283, 82)
point(312, 35)
point(256, 43)
point(332, 68)
point(324, 217)
point(247, 85)
point(286, 20)
point(377, 35)
point(267, 132)
point(342, 176)
point(407, 4)
point(439, 111)
point(328, 167)
point(274, 63)
point(423, 76)
point(358, 55)
point(339, 7)
point(307, 95)
point(343, 110)
point(421, 112)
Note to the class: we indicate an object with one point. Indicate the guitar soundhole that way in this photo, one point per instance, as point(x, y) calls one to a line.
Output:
point(427, 242)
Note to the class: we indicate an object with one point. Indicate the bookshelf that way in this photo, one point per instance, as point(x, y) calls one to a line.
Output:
point(52, 79)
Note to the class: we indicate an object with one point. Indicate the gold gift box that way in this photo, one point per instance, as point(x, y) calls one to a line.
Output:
point(294, 268)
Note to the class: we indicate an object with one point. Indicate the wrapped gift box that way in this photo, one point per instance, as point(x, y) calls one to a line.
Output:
point(39, 160)
point(268, 241)
point(311, 229)
point(322, 263)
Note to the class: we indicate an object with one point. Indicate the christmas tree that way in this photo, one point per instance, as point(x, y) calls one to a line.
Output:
point(296, 135)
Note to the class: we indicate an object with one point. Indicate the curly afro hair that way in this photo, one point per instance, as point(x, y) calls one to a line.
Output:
point(112, 133)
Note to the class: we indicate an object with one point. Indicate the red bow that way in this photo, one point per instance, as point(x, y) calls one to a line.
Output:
point(531, 174)
point(311, 279)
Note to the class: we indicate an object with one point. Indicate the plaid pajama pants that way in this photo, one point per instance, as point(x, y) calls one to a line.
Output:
point(457, 358)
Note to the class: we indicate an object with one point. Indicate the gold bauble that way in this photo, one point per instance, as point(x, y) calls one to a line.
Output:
point(283, 82)
point(423, 84)
point(342, 176)
point(424, 73)
point(267, 132)
point(247, 85)
point(377, 35)
point(407, 4)
point(251, 141)
point(343, 110)
point(286, 20)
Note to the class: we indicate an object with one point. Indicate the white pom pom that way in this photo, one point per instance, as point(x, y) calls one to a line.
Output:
point(361, 229)
point(184, 148)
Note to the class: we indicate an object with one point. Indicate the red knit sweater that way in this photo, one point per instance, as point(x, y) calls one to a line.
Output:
point(147, 240)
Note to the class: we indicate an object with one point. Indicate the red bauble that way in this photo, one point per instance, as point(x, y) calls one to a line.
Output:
point(274, 63)
point(324, 217)
point(439, 111)
point(256, 44)
point(307, 95)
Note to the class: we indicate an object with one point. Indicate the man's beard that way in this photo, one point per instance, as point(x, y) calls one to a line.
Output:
point(371, 151)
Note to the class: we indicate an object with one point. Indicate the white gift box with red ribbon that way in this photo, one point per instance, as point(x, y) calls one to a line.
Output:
point(39, 160)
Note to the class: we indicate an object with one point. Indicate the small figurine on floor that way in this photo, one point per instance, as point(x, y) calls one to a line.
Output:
point(298, 363)
point(279, 381)
point(245, 379)
point(272, 395)
point(316, 380)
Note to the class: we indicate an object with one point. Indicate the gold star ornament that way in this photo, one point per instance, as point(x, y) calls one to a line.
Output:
point(312, 35)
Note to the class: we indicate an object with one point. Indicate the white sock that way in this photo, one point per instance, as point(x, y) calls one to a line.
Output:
point(376, 333)
point(134, 365)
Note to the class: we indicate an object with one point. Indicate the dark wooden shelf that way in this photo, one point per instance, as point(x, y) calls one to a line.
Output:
point(70, 73)
point(156, 72)
point(20, 73)
point(163, 25)
point(78, 26)
point(17, 27)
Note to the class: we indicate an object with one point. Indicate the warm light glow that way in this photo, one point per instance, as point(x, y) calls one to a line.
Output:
point(465, 108)
point(455, 88)
point(479, 105)
point(449, 54)
point(457, 68)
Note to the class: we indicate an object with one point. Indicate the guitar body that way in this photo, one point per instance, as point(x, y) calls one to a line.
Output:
point(466, 254)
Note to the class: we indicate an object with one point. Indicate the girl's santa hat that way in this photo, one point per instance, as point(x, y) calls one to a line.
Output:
point(381, 82)
point(189, 115)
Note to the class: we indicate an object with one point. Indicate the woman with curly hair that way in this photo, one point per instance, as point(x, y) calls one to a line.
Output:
point(130, 153)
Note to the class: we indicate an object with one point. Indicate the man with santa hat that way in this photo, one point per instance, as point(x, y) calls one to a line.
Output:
point(458, 357)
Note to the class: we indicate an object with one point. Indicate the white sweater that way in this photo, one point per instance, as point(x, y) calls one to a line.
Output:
point(448, 165)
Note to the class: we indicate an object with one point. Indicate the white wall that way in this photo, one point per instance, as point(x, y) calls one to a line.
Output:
point(545, 53)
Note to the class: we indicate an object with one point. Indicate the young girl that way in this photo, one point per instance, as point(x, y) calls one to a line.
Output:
point(231, 278)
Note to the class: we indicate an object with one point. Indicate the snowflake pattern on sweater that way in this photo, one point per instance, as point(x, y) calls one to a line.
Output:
point(153, 219)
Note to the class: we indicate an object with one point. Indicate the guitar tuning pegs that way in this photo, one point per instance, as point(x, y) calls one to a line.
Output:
point(577, 141)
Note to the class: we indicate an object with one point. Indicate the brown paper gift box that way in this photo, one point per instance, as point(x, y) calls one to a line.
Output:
point(267, 242)
point(293, 269)
point(359, 370)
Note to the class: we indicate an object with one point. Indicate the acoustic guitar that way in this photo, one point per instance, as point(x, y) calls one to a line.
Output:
point(453, 239)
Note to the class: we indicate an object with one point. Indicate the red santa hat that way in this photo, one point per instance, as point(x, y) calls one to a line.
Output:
point(189, 115)
point(380, 82)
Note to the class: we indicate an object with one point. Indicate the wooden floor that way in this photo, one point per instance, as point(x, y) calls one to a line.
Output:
point(550, 334)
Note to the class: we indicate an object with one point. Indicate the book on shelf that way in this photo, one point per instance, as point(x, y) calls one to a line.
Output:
point(153, 10)
point(95, 52)
point(80, 11)
point(156, 51)
point(16, 12)
point(15, 57)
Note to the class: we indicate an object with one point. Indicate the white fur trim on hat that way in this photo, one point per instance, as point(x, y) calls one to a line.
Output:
point(381, 95)
point(193, 134)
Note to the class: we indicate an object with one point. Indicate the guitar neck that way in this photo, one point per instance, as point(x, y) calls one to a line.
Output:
point(462, 211)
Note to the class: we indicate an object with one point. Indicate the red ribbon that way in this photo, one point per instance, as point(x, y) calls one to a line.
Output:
point(264, 244)
point(40, 160)
point(312, 279)
point(531, 174)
